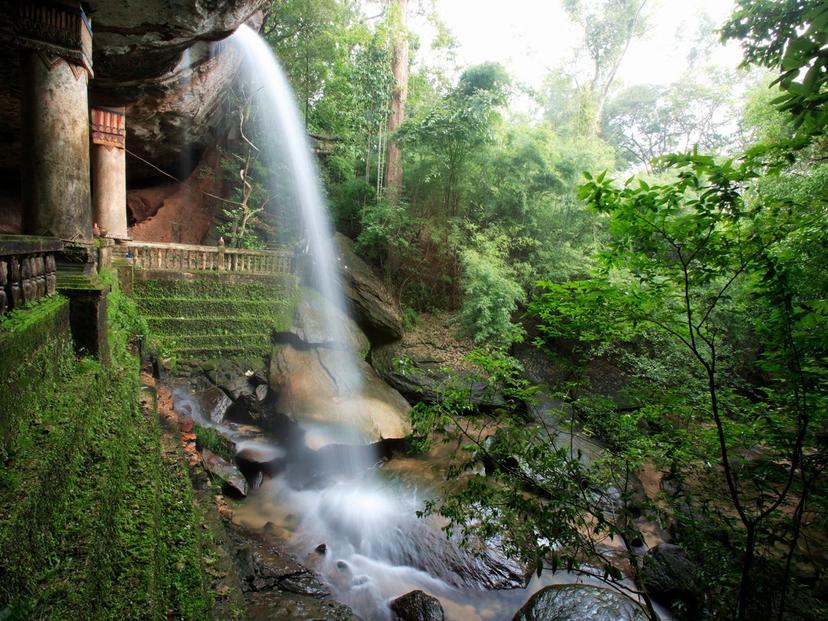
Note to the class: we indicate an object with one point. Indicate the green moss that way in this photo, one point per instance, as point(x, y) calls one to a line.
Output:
point(212, 440)
point(96, 510)
point(214, 316)
point(36, 346)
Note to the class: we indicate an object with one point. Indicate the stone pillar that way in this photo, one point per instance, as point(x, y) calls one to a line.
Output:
point(55, 38)
point(109, 171)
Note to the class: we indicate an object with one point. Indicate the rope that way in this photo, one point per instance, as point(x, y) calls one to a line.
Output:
point(163, 172)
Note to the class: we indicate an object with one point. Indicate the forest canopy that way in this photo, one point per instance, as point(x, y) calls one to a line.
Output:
point(676, 231)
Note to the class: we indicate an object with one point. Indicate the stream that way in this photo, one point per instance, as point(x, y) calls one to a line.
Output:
point(354, 523)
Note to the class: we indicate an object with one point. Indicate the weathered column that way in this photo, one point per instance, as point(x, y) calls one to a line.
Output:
point(56, 41)
point(109, 171)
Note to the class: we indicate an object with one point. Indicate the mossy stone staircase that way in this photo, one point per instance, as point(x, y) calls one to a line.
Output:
point(211, 316)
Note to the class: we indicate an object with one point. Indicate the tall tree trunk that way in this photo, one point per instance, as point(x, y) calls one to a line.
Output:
point(399, 69)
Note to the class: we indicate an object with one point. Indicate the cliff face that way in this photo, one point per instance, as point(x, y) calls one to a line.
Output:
point(163, 60)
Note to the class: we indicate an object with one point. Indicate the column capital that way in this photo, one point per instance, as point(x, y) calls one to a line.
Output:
point(109, 127)
point(55, 29)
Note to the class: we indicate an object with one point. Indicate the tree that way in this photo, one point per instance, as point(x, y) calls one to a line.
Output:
point(644, 122)
point(608, 27)
point(788, 35)
point(449, 131)
point(246, 174)
point(399, 70)
point(689, 245)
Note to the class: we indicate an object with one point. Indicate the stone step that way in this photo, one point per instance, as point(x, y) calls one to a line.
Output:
point(205, 325)
point(257, 341)
point(183, 307)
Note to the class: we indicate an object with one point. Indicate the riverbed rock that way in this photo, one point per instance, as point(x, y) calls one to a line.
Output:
point(336, 397)
point(423, 372)
point(226, 472)
point(238, 380)
point(579, 602)
point(373, 305)
point(284, 606)
point(417, 606)
point(670, 576)
point(213, 402)
point(263, 566)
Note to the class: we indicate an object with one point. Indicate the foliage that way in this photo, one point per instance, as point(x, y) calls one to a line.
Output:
point(448, 133)
point(490, 298)
point(788, 35)
point(540, 498)
point(608, 28)
point(644, 122)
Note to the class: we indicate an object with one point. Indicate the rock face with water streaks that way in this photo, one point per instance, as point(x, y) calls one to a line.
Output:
point(334, 395)
point(374, 308)
point(578, 602)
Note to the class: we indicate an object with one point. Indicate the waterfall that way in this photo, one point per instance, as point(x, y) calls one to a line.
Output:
point(294, 179)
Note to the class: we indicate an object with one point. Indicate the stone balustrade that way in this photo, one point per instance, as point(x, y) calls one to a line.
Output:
point(184, 257)
point(27, 269)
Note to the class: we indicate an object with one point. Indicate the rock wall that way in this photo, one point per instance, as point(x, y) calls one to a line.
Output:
point(159, 59)
point(177, 212)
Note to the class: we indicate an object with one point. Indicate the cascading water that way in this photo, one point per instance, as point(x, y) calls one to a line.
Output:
point(376, 547)
point(288, 151)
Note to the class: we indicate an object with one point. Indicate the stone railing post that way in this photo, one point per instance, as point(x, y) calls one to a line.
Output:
point(56, 66)
point(109, 171)
point(221, 254)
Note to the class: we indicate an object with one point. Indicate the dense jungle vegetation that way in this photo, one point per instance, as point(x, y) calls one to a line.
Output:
point(678, 231)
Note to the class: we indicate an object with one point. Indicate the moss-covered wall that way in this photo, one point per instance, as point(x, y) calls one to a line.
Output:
point(97, 520)
point(210, 316)
point(35, 348)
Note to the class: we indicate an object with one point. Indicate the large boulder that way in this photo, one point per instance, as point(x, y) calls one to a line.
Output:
point(423, 372)
point(417, 606)
point(374, 307)
point(322, 382)
point(336, 397)
point(579, 602)
point(670, 577)
point(317, 323)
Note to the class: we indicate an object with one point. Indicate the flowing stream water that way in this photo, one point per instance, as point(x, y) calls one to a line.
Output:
point(375, 546)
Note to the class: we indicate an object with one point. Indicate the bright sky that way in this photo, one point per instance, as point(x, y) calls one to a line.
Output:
point(530, 37)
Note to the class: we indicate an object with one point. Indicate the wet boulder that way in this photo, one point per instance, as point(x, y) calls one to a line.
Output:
point(214, 403)
point(230, 476)
point(417, 606)
point(336, 397)
point(373, 305)
point(578, 602)
point(318, 323)
point(670, 577)
point(322, 382)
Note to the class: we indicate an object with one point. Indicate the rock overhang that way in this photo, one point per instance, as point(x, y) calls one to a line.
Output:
point(163, 61)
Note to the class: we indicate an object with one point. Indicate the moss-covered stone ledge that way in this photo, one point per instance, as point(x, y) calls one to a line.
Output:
point(97, 519)
point(36, 346)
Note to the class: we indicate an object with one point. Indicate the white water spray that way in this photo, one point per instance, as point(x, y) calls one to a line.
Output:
point(295, 179)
